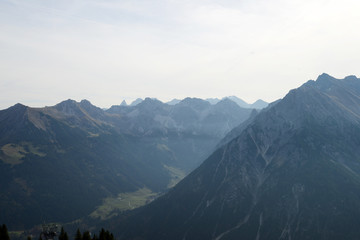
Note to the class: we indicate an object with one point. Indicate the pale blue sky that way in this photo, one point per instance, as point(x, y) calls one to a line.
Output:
point(107, 51)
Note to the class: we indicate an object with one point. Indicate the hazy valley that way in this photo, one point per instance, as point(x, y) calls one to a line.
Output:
point(287, 171)
point(179, 120)
point(75, 160)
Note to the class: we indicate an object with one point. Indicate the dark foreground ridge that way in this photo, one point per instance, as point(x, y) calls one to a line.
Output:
point(292, 173)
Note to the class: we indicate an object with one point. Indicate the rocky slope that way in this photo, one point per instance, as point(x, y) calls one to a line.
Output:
point(292, 173)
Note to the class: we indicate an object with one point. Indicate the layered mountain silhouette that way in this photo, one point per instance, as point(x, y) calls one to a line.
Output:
point(59, 163)
point(192, 127)
point(259, 104)
point(292, 172)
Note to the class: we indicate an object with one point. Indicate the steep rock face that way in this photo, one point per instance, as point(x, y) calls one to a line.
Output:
point(292, 173)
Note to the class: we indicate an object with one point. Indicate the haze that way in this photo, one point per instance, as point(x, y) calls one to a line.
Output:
point(107, 51)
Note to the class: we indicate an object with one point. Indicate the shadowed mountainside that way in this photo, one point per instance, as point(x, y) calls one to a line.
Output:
point(293, 172)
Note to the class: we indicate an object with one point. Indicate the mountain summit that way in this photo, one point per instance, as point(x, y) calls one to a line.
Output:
point(292, 173)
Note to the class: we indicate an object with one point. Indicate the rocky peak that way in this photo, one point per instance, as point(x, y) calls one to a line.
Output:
point(227, 103)
point(18, 108)
point(351, 78)
point(136, 102)
point(259, 104)
point(14, 113)
point(69, 107)
point(195, 103)
point(150, 103)
point(123, 103)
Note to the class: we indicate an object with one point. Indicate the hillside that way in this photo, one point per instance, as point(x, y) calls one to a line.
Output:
point(292, 173)
point(71, 160)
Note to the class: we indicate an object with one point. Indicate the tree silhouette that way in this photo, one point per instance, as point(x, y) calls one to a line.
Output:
point(63, 235)
point(78, 235)
point(86, 236)
point(4, 235)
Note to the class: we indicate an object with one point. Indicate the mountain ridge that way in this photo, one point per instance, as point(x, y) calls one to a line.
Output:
point(80, 148)
point(292, 173)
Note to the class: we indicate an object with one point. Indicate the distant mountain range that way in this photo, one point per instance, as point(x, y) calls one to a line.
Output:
point(291, 172)
point(72, 160)
point(259, 104)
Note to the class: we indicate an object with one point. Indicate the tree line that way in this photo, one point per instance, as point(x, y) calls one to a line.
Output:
point(103, 235)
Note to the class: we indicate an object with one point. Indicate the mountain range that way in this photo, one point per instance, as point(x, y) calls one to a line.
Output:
point(259, 104)
point(72, 160)
point(291, 172)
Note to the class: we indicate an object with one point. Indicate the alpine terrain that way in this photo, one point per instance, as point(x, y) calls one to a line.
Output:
point(73, 160)
point(293, 172)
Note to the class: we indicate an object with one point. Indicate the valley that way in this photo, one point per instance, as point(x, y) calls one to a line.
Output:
point(75, 160)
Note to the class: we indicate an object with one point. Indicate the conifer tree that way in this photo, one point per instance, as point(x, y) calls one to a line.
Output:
point(95, 237)
point(4, 235)
point(63, 235)
point(86, 236)
point(78, 235)
point(102, 234)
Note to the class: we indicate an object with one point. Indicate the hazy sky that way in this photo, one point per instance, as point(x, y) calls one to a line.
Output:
point(106, 51)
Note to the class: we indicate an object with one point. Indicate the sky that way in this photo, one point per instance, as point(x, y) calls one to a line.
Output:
point(106, 51)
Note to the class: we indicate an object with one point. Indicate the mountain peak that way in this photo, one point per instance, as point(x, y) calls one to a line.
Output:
point(150, 103)
point(68, 106)
point(195, 103)
point(123, 103)
point(67, 102)
point(325, 76)
point(226, 101)
point(85, 102)
point(323, 82)
point(190, 100)
point(136, 102)
point(259, 104)
point(351, 78)
point(151, 100)
point(328, 77)
point(89, 107)
point(19, 106)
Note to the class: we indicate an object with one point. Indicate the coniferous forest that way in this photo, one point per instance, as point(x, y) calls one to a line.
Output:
point(63, 235)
